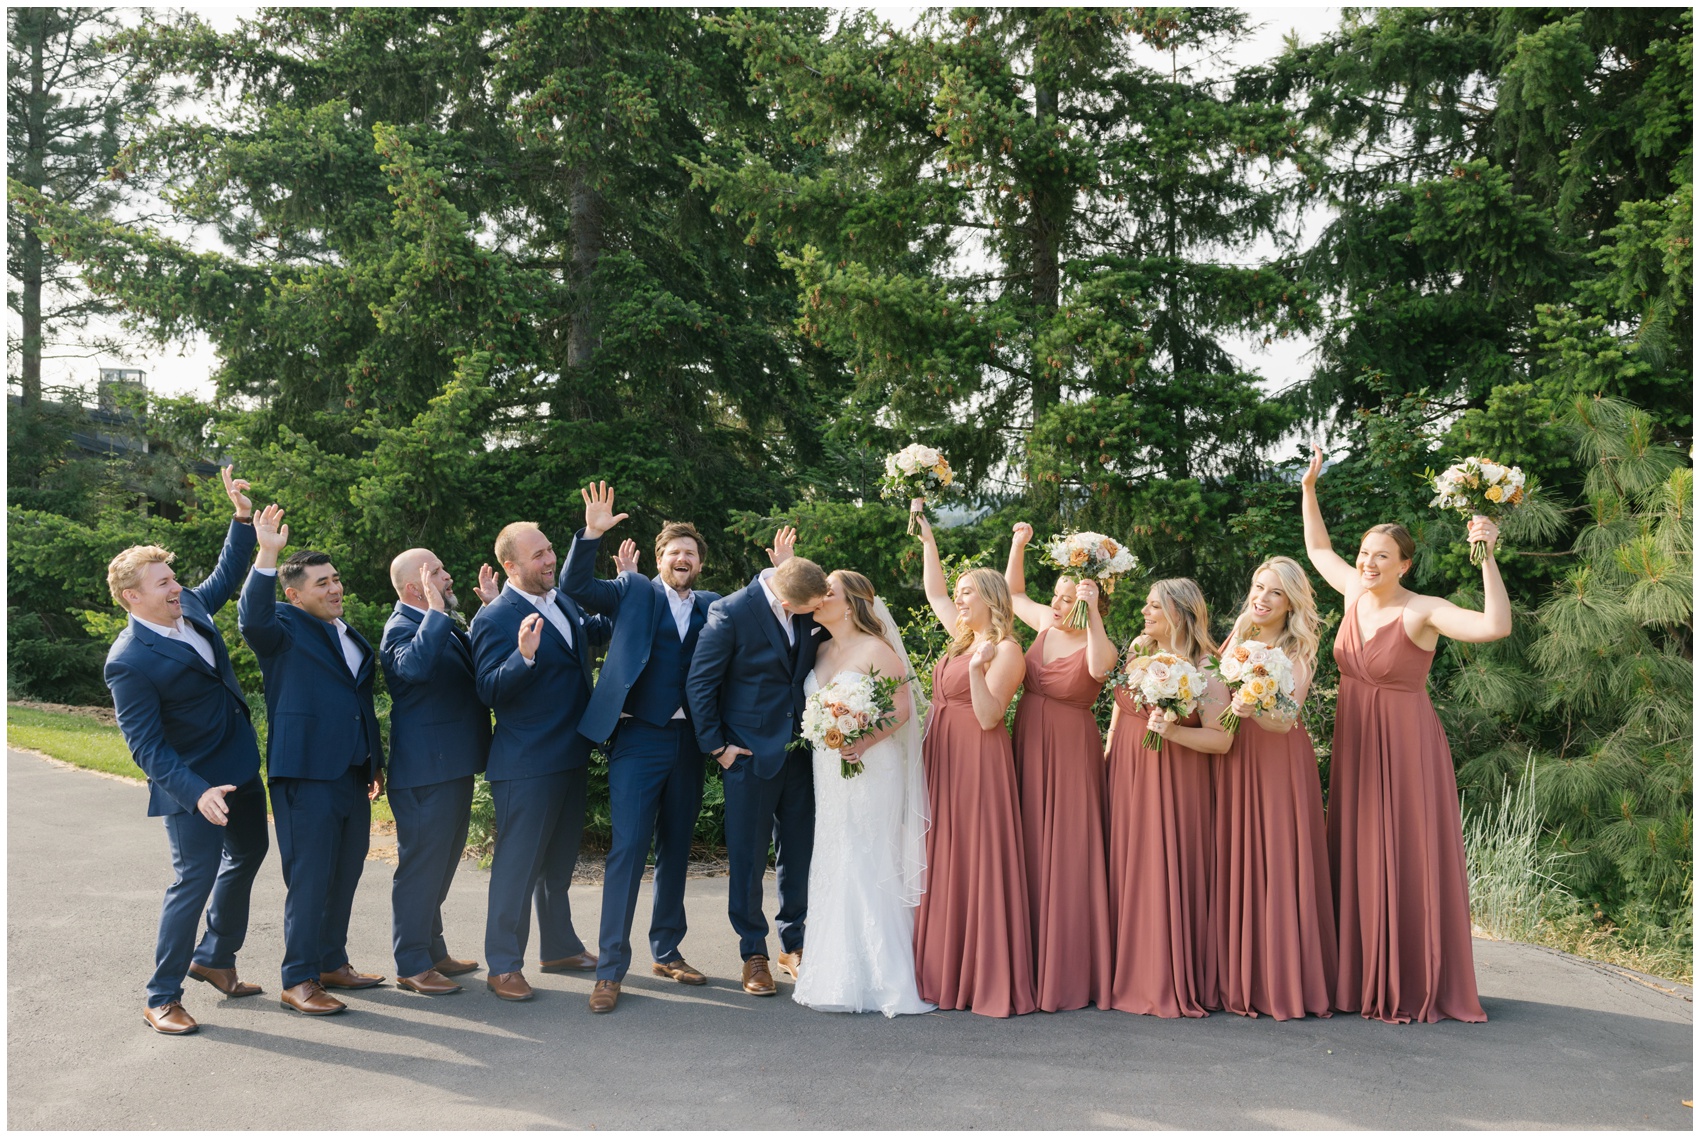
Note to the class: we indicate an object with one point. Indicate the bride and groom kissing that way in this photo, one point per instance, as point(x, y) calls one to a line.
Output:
point(850, 852)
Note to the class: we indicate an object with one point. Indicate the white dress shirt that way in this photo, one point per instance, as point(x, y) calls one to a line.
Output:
point(774, 603)
point(551, 613)
point(185, 632)
point(681, 607)
point(351, 653)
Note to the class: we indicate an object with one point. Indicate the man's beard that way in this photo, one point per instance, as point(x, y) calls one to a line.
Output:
point(450, 603)
point(671, 577)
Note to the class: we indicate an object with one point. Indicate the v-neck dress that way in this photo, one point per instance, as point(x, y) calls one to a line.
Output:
point(1395, 839)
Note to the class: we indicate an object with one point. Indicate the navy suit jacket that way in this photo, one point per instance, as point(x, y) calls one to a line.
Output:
point(187, 725)
point(744, 687)
point(638, 606)
point(439, 730)
point(538, 706)
point(319, 718)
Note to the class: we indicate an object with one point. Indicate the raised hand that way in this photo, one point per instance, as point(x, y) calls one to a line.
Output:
point(1314, 471)
point(1023, 534)
point(1087, 591)
point(784, 545)
point(599, 515)
point(626, 560)
point(489, 585)
point(983, 656)
point(918, 515)
point(530, 634)
point(233, 487)
point(1483, 529)
point(433, 596)
point(269, 530)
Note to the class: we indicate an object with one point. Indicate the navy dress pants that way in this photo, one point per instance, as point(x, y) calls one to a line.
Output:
point(208, 860)
point(324, 827)
point(539, 823)
point(430, 831)
point(654, 794)
point(758, 810)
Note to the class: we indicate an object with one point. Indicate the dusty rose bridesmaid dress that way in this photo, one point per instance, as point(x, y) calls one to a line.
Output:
point(1395, 839)
point(1272, 908)
point(1159, 807)
point(973, 932)
point(1059, 770)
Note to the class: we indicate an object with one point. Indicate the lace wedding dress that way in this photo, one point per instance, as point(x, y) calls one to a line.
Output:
point(867, 876)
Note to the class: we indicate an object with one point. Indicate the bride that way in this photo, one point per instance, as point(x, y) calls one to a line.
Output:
point(868, 871)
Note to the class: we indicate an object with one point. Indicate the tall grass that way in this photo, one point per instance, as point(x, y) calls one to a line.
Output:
point(1513, 885)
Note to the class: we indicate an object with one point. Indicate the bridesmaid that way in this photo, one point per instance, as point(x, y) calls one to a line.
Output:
point(1272, 909)
point(1059, 769)
point(973, 936)
point(1395, 840)
point(1159, 805)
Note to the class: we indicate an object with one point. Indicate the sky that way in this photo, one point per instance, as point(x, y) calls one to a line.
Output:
point(186, 367)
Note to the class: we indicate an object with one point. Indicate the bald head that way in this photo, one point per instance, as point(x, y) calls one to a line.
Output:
point(411, 568)
point(527, 557)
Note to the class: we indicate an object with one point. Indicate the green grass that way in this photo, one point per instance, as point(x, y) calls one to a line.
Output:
point(93, 745)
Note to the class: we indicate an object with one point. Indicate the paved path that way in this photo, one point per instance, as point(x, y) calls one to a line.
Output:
point(1567, 1044)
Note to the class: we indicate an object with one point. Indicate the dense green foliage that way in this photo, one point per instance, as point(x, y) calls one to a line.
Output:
point(470, 259)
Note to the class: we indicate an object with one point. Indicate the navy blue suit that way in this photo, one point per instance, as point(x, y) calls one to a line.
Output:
point(439, 739)
point(188, 727)
point(746, 687)
point(322, 749)
point(537, 773)
point(654, 766)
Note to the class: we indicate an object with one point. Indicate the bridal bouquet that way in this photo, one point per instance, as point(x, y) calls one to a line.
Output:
point(1087, 554)
point(1163, 680)
point(912, 473)
point(1477, 486)
point(1263, 677)
point(847, 709)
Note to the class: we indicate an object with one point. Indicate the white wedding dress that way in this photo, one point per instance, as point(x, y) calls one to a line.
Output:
point(866, 878)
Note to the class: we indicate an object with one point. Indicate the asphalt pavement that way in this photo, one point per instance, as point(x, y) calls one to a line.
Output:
point(1568, 1044)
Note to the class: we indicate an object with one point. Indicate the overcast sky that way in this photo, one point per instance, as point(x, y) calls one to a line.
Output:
point(186, 368)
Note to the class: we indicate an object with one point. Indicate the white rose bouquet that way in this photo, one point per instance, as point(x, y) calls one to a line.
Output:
point(1087, 554)
point(1163, 680)
point(847, 709)
point(1478, 486)
point(1263, 677)
point(915, 472)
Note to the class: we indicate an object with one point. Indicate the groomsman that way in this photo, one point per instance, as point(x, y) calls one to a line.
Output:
point(324, 758)
point(439, 739)
point(745, 693)
point(654, 767)
point(531, 645)
point(188, 726)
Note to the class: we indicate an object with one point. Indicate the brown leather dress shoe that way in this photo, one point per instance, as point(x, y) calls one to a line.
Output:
point(758, 981)
point(583, 962)
point(224, 979)
point(310, 998)
point(429, 983)
point(510, 986)
point(792, 962)
point(347, 977)
point(604, 996)
point(680, 971)
point(171, 1019)
point(449, 966)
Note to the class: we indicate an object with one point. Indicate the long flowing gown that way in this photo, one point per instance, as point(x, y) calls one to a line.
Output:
point(1395, 838)
point(1272, 907)
point(973, 936)
point(1160, 851)
point(1059, 768)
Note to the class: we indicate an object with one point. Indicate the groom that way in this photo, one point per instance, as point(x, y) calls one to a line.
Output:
point(745, 695)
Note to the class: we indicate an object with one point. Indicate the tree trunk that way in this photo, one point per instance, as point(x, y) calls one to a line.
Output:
point(1050, 206)
point(34, 177)
point(586, 207)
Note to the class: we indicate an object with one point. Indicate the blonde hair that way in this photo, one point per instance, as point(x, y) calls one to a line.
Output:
point(509, 535)
point(1183, 606)
point(994, 590)
point(1303, 632)
point(125, 571)
point(859, 596)
point(798, 581)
